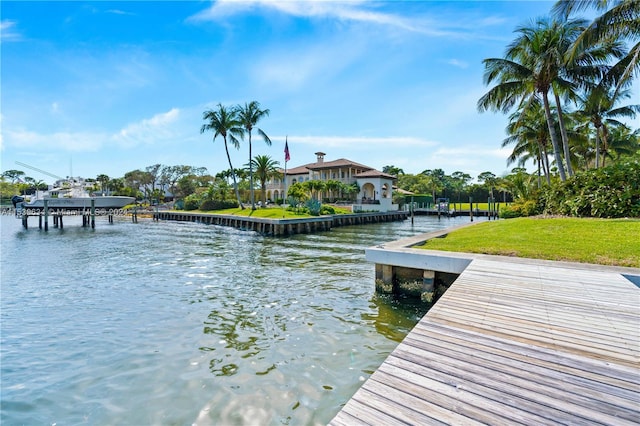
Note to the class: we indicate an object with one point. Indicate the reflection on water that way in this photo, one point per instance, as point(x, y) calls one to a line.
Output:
point(182, 323)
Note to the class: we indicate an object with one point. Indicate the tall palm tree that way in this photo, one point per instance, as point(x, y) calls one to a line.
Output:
point(265, 168)
point(622, 142)
point(224, 122)
point(249, 116)
point(598, 107)
point(529, 134)
point(532, 65)
point(620, 20)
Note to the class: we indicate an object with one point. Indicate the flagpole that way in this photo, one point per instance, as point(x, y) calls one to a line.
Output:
point(286, 159)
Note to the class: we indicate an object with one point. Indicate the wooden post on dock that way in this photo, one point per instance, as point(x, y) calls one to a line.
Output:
point(93, 213)
point(60, 220)
point(46, 214)
point(411, 207)
point(471, 208)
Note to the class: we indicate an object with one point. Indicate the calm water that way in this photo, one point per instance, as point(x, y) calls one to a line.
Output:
point(179, 323)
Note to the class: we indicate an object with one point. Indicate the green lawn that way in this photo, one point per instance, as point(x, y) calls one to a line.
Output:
point(599, 241)
point(267, 213)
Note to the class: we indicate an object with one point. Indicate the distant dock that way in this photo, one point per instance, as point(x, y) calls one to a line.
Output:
point(283, 227)
point(512, 341)
point(88, 214)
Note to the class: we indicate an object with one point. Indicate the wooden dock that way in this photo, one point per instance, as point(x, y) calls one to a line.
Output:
point(515, 341)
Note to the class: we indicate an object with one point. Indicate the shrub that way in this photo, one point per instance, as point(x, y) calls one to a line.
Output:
point(191, 202)
point(607, 192)
point(313, 207)
point(520, 208)
point(327, 210)
point(218, 205)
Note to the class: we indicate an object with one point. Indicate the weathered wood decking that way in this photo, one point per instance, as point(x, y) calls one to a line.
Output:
point(515, 341)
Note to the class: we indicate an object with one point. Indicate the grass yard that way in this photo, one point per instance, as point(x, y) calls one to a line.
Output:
point(599, 241)
point(267, 213)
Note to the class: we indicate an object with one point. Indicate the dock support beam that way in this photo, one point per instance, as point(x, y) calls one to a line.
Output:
point(93, 213)
point(428, 285)
point(384, 278)
point(46, 214)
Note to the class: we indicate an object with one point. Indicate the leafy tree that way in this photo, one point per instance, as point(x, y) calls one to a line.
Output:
point(249, 116)
point(103, 179)
point(13, 175)
point(297, 193)
point(459, 182)
point(170, 175)
point(436, 181)
point(224, 122)
point(154, 175)
point(489, 180)
point(116, 186)
point(392, 170)
point(418, 184)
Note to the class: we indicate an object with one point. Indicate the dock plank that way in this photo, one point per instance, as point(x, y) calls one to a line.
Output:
point(515, 342)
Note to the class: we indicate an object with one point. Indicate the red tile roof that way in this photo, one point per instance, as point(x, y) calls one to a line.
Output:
point(375, 173)
point(342, 162)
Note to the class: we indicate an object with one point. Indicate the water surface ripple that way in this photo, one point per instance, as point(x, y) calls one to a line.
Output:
point(181, 323)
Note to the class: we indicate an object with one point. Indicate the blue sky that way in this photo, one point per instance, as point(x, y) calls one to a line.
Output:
point(108, 87)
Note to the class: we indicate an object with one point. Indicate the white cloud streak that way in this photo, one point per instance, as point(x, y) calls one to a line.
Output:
point(8, 32)
point(351, 11)
point(158, 129)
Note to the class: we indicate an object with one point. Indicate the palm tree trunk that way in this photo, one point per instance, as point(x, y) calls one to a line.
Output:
point(233, 174)
point(605, 145)
point(554, 137)
point(545, 163)
point(563, 133)
point(253, 202)
point(597, 147)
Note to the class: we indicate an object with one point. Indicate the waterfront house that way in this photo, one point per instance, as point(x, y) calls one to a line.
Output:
point(375, 187)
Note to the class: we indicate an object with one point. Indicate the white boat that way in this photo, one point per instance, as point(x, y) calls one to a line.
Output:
point(72, 196)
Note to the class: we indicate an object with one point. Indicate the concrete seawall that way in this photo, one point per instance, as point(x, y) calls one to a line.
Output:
point(283, 227)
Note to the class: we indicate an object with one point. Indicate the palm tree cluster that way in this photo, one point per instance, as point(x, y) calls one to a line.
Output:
point(567, 80)
point(232, 124)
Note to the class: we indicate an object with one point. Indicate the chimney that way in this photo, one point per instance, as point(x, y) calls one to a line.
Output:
point(320, 156)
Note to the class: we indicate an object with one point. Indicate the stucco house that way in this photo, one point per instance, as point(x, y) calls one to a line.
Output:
point(375, 186)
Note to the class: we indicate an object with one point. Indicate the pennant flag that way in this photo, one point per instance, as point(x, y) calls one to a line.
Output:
point(287, 157)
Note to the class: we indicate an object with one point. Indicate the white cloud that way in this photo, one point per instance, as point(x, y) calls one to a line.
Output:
point(119, 12)
point(157, 129)
point(353, 11)
point(8, 31)
point(64, 141)
point(458, 63)
point(160, 127)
